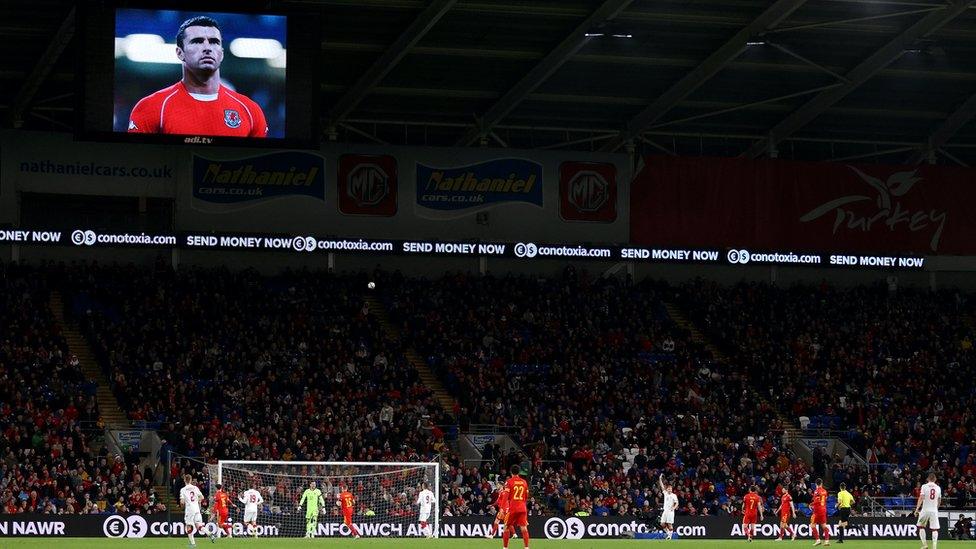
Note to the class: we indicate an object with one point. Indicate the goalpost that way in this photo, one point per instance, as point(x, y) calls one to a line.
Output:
point(385, 493)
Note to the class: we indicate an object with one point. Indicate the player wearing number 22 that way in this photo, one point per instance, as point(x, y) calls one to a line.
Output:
point(518, 514)
point(199, 104)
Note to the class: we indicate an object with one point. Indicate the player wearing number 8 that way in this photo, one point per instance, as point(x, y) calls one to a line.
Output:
point(929, 498)
point(518, 515)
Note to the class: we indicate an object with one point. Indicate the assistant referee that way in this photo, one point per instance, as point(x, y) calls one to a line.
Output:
point(844, 502)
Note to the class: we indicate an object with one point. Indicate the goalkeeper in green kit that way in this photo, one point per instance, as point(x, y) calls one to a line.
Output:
point(311, 497)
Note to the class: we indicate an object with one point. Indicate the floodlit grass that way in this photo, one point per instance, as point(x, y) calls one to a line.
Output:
point(463, 543)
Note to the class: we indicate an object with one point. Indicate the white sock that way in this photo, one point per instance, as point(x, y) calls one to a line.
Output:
point(190, 533)
point(935, 539)
point(921, 536)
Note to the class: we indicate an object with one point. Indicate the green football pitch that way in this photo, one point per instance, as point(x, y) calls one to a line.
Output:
point(402, 543)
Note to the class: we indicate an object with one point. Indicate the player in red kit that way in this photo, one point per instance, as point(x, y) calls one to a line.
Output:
point(818, 521)
point(518, 514)
point(787, 512)
point(347, 502)
point(502, 504)
point(199, 104)
point(751, 507)
point(222, 503)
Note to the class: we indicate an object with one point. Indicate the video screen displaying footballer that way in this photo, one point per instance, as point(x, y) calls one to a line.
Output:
point(200, 73)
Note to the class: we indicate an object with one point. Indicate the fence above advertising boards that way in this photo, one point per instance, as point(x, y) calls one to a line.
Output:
point(516, 250)
point(139, 526)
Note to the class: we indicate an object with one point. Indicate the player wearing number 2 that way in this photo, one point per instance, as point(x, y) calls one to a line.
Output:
point(929, 499)
point(190, 498)
point(518, 515)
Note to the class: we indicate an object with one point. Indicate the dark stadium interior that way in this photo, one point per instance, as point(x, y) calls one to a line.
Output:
point(629, 249)
point(467, 64)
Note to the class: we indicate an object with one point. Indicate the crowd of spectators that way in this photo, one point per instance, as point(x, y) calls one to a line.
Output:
point(599, 386)
point(235, 365)
point(877, 365)
point(49, 417)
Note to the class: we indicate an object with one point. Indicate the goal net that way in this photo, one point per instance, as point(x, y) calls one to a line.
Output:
point(385, 495)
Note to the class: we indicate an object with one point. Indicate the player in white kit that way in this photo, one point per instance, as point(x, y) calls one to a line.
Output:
point(190, 498)
point(927, 510)
point(670, 504)
point(425, 499)
point(252, 500)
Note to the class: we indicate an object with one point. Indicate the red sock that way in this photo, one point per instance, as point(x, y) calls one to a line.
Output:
point(226, 527)
point(352, 527)
point(494, 529)
point(525, 535)
point(505, 535)
point(816, 531)
point(826, 533)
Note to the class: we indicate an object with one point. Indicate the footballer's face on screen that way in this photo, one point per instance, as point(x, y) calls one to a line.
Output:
point(203, 49)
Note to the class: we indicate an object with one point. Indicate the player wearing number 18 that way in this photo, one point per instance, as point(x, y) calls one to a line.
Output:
point(518, 515)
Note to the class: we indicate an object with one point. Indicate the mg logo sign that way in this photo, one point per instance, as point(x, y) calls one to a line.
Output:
point(367, 185)
point(588, 191)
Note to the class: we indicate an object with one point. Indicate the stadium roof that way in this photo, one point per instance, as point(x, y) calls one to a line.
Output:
point(878, 80)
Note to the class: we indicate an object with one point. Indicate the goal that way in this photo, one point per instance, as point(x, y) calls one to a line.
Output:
point(385, 492)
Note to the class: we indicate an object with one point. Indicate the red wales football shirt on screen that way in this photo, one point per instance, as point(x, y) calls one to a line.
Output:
point(174, 110)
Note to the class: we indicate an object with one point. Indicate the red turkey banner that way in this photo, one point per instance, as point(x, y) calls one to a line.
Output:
point(788, 205)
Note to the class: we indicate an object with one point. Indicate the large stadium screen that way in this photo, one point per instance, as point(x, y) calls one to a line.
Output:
point(198, 76)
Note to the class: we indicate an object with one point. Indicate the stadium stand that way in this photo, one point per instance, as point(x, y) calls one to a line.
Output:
point(600, 388)
point(864, 355)
point(52, 461)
